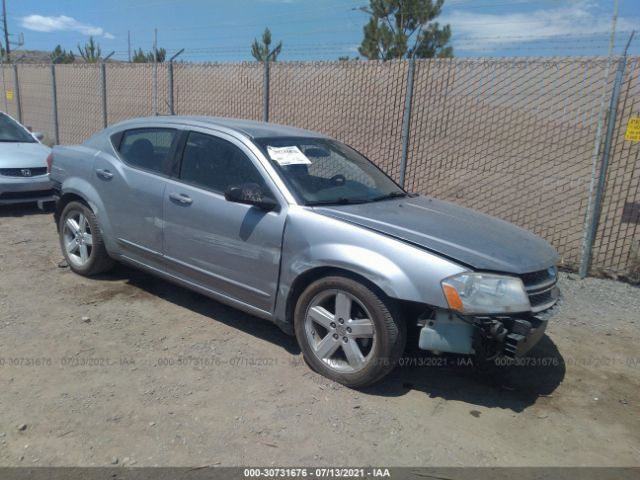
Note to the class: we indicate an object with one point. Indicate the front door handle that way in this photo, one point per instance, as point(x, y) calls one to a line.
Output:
point(104, 174)
point(181, 198)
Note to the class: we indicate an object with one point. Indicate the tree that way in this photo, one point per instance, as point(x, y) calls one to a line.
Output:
point(161, 55)
point(405, 28)
point(91, 51)
point(140, 57)
point(60, 55)
point(261, 52)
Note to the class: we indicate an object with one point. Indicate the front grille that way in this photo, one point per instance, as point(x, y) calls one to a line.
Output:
point(25, 195)
point(20, 172)
point(540, 299)
point(541, 276)
point(541, 288)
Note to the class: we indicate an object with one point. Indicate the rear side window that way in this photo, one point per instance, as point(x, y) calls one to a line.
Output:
point(147, 148)
point(215, 164)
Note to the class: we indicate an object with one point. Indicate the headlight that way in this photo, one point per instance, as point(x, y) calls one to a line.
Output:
point(485, 293)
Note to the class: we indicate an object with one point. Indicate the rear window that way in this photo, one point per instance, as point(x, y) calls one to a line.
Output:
point(147, 148)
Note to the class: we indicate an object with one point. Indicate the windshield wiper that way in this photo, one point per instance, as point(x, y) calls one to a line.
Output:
point(338, 201)
point(389, 196)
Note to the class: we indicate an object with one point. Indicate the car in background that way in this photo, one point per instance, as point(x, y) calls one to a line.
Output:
point(23, 164)
point(300, 229)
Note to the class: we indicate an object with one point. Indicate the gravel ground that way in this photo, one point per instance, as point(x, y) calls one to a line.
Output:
point(127, 369)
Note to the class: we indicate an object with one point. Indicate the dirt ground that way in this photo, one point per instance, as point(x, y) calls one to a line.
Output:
point(127, 369)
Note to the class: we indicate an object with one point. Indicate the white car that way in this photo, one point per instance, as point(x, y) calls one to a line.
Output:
point(23, 164)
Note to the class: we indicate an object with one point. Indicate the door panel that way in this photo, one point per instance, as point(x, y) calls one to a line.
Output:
point(229, 248)
point(133, 204)
point(132, 191)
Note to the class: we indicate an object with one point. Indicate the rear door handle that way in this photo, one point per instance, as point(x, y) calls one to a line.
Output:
point(104, 174)
point(181, 198)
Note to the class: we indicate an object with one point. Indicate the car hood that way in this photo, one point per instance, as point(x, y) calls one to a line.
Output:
point(23, 155)
point(461, 234)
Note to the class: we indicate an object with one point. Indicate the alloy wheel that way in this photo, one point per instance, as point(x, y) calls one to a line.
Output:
point(340, 331)
point(77, 237)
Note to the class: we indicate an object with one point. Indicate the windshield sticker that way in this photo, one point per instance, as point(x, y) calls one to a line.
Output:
point(288, 156)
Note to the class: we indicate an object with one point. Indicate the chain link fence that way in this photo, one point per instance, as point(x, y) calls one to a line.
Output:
point(79, 102)
point(617, 241)
point(36, 97)
point(225, 90)
point(360, 103)
point(513, 138)
point(9, 100)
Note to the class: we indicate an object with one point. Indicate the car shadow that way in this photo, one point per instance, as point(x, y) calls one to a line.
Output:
point(203, 305)
point(513, 385)
point(500, 384)
point(25, 209)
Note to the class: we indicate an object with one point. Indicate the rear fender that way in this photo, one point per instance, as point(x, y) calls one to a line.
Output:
point(82, 188)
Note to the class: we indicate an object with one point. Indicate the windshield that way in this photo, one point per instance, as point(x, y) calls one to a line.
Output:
point(11, 131)
point(324, 172)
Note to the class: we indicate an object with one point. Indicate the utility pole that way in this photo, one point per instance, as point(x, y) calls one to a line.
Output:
point(7, 45)
point(5, 28)
point(129, 44)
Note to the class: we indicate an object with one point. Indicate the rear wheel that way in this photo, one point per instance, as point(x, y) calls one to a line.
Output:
point(81, 241)
point(348, 332)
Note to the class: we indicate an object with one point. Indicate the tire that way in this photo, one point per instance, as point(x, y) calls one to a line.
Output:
point(356, 351)
point(81, 241)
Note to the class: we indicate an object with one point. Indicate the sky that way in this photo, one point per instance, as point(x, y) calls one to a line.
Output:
point(222, 31)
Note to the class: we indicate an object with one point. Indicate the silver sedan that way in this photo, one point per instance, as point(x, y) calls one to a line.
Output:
point(301, 229)
point(23, 164)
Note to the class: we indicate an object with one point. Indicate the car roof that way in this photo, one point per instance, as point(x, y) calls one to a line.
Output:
point(248, 128)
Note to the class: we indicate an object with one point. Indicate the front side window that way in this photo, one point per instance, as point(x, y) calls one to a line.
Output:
point(12, 132)
point(147, 148)
point(322, 171)
point(216, 164)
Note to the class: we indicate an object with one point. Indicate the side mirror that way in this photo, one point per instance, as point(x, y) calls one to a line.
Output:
point(39, 136)
point(250, 194)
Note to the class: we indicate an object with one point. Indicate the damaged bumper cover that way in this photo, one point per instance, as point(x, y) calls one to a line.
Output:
point(487, 335)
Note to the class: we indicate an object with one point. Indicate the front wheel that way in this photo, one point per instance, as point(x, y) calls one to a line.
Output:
point(81, 241)
point(347, 332)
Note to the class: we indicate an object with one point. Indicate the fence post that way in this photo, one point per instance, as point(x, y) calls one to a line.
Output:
point(265, 91)
point(16, 87)
point(103, 84)
point(170, 82)
point(170, 87)
point(406, 119)
point(54, 97)
point(592, 221)
point(155, 71)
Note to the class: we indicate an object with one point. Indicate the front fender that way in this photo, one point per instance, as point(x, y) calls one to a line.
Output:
point(400, 270)
point(372, 265)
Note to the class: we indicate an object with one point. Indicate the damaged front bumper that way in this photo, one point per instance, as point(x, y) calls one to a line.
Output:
point(486, 336)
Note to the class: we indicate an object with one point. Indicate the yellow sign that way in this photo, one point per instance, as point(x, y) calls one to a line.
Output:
point(9, 94)
point(633, 130)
